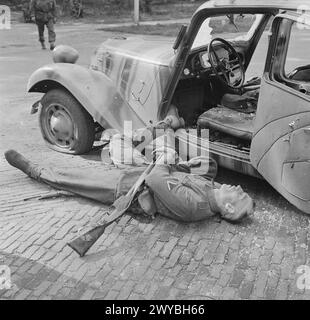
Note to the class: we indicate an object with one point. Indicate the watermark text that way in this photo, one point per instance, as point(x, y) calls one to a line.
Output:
point(5, 277)
point(5, 17)
point(303, 281)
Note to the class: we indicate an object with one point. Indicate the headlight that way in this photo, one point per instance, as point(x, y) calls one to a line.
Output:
point(65, 54)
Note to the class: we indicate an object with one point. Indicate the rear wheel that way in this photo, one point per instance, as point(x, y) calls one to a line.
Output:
point(65, 125)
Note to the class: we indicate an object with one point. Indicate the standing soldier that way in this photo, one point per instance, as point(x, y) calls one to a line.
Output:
point(45, 14)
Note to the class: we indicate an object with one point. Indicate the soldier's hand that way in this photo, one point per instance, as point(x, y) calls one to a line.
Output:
point(55, 20)
point(162, 125)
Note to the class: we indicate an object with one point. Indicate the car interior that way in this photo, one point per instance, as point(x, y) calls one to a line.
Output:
point(213, 92)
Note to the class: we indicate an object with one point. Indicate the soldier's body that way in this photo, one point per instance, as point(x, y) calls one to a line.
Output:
point(45, 15)
point(170, 190)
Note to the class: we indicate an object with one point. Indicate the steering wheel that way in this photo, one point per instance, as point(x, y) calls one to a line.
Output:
point(229, 70)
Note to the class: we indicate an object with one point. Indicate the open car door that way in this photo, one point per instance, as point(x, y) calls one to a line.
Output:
point(280, 149)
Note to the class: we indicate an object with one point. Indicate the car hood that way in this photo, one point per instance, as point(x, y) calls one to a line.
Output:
point(139, 70)
point(154, 50)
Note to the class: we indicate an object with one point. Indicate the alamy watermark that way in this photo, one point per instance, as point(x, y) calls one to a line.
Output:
point(126, 147)
point(303, 281)
point(5, 17)
point(5, 277)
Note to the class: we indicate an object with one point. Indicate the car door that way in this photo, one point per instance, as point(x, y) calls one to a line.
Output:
point(280, 148)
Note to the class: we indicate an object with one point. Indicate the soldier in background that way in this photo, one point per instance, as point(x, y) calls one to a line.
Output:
point(76, 8)
point(45, 15)
point(26, 11)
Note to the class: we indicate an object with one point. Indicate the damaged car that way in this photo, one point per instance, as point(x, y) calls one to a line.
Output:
point(257, 111)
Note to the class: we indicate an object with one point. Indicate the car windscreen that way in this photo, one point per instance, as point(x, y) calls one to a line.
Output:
point(229, 27)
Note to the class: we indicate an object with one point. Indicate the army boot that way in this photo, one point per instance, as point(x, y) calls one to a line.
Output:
point(18, 161)
point(52, 45)
point(43, 45)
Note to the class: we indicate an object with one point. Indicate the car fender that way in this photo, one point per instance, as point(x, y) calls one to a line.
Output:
point(93, 89)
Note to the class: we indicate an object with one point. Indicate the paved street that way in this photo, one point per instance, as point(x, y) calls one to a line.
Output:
point(135, 258)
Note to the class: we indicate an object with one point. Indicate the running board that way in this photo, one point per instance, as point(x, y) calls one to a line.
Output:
point(228, 156)
point(233, 159)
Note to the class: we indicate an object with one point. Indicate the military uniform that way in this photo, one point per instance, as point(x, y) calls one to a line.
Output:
point(45, 15)
point(180, 195)
point(177, 194)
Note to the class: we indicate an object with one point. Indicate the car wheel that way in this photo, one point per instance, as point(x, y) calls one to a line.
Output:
point(65, 125)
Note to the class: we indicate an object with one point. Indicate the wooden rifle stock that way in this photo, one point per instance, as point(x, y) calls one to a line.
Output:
point(83, 243)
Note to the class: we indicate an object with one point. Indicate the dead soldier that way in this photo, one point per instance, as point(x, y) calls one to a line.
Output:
point(170, 188)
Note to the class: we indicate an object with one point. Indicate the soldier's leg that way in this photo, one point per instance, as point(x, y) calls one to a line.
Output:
point(51, 33)
point(40, 25)
point(99, 184)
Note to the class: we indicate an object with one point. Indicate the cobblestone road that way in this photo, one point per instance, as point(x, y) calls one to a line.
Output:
point(137, 259)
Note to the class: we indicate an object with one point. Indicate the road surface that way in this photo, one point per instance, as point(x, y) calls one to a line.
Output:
point(135, 259)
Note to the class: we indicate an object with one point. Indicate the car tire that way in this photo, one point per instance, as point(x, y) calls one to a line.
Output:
point(65, 125)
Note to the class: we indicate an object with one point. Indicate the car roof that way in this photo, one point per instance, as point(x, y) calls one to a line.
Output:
point(278, 4)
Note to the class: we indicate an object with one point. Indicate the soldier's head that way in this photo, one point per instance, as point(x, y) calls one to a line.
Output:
point(233, 202)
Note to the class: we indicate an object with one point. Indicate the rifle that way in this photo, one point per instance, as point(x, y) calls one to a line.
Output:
point(83, 243)
point(51, 195)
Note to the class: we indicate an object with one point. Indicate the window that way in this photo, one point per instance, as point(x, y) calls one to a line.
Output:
point(298, 53)
point(228, 27)
point(291, 65)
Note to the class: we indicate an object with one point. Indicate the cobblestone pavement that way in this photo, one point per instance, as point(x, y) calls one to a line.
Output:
point(137, 259)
